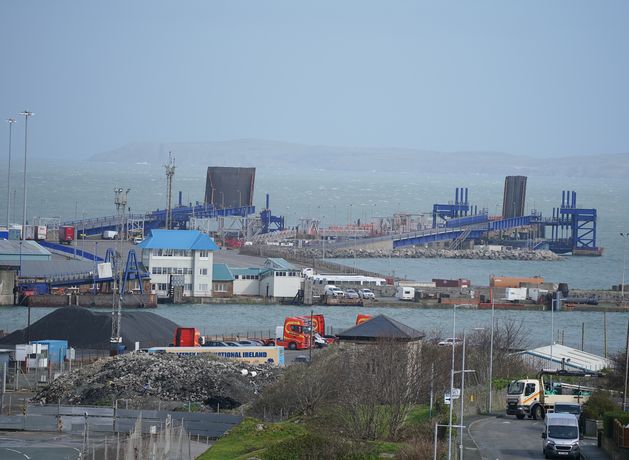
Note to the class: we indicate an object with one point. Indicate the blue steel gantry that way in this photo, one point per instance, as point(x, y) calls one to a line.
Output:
point(573, 229)
point(450, 211)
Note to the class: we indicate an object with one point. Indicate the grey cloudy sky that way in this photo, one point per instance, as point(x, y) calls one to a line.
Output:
point(542, 78)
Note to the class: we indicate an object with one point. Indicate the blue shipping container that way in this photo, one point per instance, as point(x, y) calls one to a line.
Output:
point(57, 349)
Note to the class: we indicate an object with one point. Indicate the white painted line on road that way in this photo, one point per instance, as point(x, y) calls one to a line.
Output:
point(18, 452)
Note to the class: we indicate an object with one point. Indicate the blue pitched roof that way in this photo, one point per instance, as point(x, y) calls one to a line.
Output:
point(179, 239)
point(221, 272)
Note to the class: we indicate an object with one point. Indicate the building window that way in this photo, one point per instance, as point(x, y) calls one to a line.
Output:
point(220, 287)
point(187, 287)
point(202, 271)
point(203, 287)
point(204, 254)
point(162, 286)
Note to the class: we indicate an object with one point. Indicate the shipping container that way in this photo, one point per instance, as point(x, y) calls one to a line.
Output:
point(66, 234)
point(41, 232)
point(35, 288)
point(460, 283)
point(57, 349)
point(29, 234)
point(515, 294)
point(514, 282)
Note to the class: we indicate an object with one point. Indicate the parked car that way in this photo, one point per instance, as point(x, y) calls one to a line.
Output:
point(351, 294)
point(366, 294)
point(333, 291)
point(451, 341)
point(217, 343)
point(251, 343)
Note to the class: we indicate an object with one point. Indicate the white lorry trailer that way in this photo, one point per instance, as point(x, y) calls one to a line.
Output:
point(405, 293)
point(109, 235)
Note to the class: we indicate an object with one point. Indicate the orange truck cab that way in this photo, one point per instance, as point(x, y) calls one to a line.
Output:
point(187, 337)
point(295, 335)
point(361, 318)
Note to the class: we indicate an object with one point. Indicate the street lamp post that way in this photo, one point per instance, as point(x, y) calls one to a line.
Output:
point(437, 425)
point(625, 236)
point(452, 372)
point(491, 353)
point(11, 121)
point(451, 385)
point(26, 114)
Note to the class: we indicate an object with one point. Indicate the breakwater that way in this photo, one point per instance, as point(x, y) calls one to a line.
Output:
point(403, 253)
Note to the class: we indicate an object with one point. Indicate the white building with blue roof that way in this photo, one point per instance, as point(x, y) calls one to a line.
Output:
point(179, 257)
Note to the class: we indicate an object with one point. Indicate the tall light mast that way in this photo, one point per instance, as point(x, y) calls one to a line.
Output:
point(170, 172)
point(10, 121)
point(120, 201)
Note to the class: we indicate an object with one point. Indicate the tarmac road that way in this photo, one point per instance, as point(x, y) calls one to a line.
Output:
point(507, 438)
point(38, 446)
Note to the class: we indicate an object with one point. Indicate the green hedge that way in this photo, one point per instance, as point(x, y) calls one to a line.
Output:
point(608, 421)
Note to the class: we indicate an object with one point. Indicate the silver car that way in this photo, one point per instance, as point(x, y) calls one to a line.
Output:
point(366, 294)
point(351, 294)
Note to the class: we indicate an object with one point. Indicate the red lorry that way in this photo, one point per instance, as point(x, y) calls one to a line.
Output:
point(66, 234)
point(187, 337)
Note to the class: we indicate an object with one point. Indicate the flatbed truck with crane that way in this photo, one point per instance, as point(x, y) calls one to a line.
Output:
point(530, 397)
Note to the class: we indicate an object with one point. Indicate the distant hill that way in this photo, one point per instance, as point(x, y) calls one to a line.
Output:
point(264, 153)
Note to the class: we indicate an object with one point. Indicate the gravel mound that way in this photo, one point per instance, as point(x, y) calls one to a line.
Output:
point(142, 376)
point(84, 328)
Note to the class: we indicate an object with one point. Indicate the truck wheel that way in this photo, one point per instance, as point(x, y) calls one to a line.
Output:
point(520, 416)
point(538, 412)
point(292, 346)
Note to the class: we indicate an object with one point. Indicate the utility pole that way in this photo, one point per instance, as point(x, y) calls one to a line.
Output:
point(116, 338)
point(170, 172)
point(11, 121)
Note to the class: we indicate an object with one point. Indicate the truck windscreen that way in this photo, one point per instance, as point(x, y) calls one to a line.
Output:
point(515, 388)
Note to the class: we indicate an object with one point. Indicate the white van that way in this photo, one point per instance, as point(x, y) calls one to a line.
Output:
point(560, 437)
point(405, 293)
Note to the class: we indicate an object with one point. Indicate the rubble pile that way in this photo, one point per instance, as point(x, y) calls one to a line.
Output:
point(168, 377)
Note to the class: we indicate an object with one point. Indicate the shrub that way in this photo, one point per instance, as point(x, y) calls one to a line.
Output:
point(608, 421)
point(598, 404)
point(315, 447)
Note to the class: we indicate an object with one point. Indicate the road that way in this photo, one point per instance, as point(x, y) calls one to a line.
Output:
point(507, 438)
point(39, 446)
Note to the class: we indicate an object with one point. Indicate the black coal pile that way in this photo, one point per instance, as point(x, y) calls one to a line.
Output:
point(142, 376)
point(83, 328)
